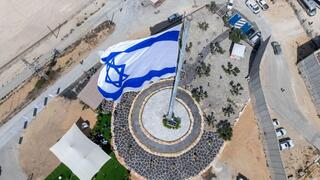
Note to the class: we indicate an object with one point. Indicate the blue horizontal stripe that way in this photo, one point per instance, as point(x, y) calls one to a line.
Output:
point(234, 19)
point(136, 82)
point(167, 36)
point(245, 28)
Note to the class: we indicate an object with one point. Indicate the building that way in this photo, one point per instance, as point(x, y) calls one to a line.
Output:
point(90, 94)
point(309, 68)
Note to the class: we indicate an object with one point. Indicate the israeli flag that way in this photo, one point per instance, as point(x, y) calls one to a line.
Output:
point(131, 65)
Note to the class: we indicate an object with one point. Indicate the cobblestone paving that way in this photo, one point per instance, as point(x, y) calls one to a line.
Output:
point(151, 166)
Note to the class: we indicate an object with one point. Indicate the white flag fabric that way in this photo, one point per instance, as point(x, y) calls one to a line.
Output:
point(130, 65)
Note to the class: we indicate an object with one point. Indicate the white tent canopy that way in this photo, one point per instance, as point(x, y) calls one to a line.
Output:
point(79, 153)
point(238, 51)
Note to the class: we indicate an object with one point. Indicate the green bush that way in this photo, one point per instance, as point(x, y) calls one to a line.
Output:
point(236, 35)
point(224, 130)
point(40, 83)
point(167, 125)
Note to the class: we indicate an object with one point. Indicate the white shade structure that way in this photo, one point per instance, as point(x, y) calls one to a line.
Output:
point(83, 157)
point(238, 51)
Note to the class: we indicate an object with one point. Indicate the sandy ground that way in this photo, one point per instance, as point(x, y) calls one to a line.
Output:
point(290, 37)
point(16, 100)
point(50, 125)
point(300, 156)
point(66, 63)
point(23, 22)
point(244, 153)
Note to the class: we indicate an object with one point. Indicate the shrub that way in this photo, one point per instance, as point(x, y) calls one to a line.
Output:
point(199, 94)
point(203, 25)
point(224, 130)
point(188, 47)
point(236, 35)
point(212, 7)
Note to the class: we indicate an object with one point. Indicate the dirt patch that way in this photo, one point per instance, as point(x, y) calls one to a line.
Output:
point(244, 153)
point(44, 131)
point(64, 63)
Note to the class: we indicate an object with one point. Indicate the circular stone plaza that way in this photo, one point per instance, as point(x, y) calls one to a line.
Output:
point(146, 146)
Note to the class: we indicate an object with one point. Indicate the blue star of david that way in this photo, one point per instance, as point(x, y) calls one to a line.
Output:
point(118, 69)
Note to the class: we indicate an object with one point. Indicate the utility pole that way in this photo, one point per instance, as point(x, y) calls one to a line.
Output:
point(182, 50)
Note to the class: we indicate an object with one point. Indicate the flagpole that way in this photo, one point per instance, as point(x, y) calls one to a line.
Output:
point(183, 43)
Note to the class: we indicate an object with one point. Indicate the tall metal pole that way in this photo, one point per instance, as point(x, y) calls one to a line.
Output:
point(183, 43)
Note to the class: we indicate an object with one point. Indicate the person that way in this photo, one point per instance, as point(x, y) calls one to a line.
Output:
point(0, 170)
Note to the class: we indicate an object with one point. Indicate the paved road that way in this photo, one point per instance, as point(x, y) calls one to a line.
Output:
point(274, 75)
point(132, 18)
point(263, 117)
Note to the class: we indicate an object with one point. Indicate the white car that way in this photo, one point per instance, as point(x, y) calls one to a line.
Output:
point(253, 6)
point(84, 125)
point(281, 132)
point(286, 144)
point(275, 122)
point(263, 4)
point(230, 5)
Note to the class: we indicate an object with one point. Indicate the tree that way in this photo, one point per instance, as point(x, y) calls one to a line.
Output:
point(228, 110)
point(236, 35)
point(212, 7)
point(203, 25)
point(210, 119)
point(224, 130)
point(198, 93)
point(188, 47)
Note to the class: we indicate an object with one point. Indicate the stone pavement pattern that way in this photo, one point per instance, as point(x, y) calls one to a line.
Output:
point(152, 166)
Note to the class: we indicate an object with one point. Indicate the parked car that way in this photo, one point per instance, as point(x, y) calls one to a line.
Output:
point(317, 3)
point(286, 144)
point(263, 4)
point(174, 17)
point(276, 47)
point(275, 122)
point(281, 132)
point(255, 38)
point(309, 6)
point(253, 6)
point(230, 5)
point(84, 125)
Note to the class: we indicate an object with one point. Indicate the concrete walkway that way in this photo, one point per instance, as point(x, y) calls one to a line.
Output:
point(152, 115)
point(160, 148)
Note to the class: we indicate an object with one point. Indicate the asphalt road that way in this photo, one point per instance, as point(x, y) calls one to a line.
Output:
point(276, 75)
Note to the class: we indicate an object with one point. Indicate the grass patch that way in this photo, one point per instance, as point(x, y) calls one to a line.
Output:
point(103, 126)
point(40, 83)
point(63, 171)
point(101, 132)
point(167, 125)
point(112, 170)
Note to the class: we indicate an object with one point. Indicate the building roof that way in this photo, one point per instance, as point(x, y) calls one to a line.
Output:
point(83, 157)
point(238, 51)
point(90, 94)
